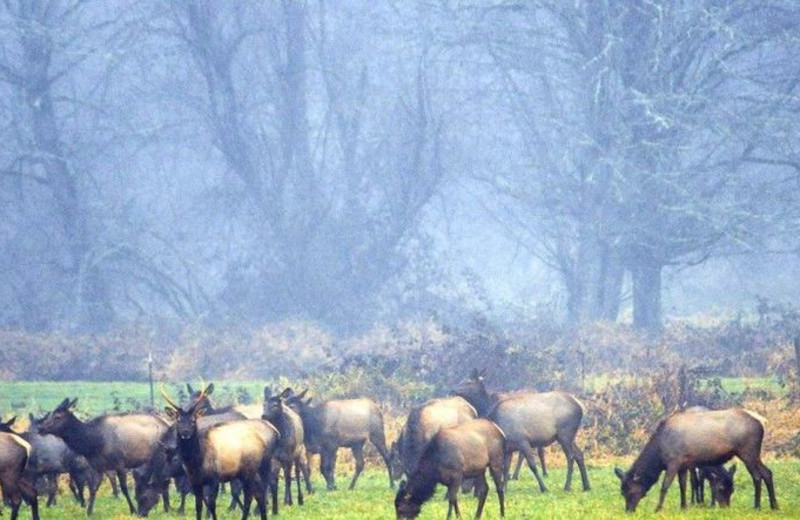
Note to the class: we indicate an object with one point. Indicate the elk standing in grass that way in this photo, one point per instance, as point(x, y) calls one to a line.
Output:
point(463, 451)
point(15, 453)
point(234, 450)
point(110, 442)
point(290, 446)
point(339, 423)
point(531, 420)
point(685, 440)
point(422, 425)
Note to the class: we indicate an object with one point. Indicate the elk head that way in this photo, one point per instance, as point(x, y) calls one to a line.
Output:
point(186, 419)
point(56, 421)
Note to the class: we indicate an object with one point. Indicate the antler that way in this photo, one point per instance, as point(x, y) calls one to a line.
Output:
point(167, 398)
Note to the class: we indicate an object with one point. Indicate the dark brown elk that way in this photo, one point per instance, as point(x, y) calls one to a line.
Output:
point(720, 482)
point(423, 423)
point(336, 423)
point(50, 457)
point(228, 451)
point(14, 455)
point(152, 479)
point(109, 442)
point(290, 446)
point(531, 420)
point(454, 454)
point(685, 440)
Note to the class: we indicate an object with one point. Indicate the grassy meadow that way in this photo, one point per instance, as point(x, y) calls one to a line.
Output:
point(374, 499)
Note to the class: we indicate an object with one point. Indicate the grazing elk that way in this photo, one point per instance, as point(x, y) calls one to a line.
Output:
point(456, 453)
point(290, 445)
point(339, 423)
point(227, 451)
point(109, 442)
point(685, 440)
point(423, 423)
point(531, 420)
point(14, 455)
point(720, 482)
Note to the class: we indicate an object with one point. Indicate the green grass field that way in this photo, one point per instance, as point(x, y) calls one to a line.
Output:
point(374, 499)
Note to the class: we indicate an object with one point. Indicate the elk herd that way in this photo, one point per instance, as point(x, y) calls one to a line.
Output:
point(451, 441)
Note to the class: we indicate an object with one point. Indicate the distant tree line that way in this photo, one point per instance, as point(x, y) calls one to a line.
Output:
point(239, 162)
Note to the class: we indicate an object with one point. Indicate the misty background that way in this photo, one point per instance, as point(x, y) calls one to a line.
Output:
point(349, 162)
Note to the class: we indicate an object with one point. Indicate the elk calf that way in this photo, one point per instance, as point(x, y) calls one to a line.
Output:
point(685, 440)
point(463, 451)
point(290, 446)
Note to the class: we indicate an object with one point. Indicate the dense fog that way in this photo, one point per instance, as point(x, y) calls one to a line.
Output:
point(352, 162)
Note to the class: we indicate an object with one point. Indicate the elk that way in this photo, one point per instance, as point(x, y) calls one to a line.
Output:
point(341, 423)
point(685, 440)
point(110, 442)
point(227, 451)
point(462, 451)
point(720, 482)
point(531, 420)
point(50, 456)
point(152, 478)
point(15, 453)
point(423, 423)
point(290, 446)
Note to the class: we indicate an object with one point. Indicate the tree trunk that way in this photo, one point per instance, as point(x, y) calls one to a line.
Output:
point(647, 295)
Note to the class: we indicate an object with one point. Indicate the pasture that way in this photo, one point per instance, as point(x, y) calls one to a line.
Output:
point(374, 499)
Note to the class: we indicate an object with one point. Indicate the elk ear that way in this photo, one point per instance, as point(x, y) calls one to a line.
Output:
point(308, 401)
point(402, 486)
point(63, 406)
point(287, 392)
point(474, 374)
point(209, 389)
point(267, 392)
point(31, 418)
point(302, 394)
point(189, 388)
point(619, 473)
point(732, 470)
point(73, 403)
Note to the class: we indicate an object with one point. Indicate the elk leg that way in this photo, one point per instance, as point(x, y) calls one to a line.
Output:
point(682, 486)
point(198, 502)
point(380, 443)
point(540, 453)
point(327, 466)
point(165, 497)
point(481, 490)
point(287, 483)
point(211, 500)
point(28, 494)
point(123, 486)
point(766, 476)
point(113, 482)
point(570, 464)
point(93, 487)
point(452, 499)
point(358, 454)
point(497, 477)
point(297, 464)
point(248, 501)
point(527, 451)
point(669, 476)
point(577, 455)
point(520, 460)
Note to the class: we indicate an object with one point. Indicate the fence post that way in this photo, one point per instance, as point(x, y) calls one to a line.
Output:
point(150, 378)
